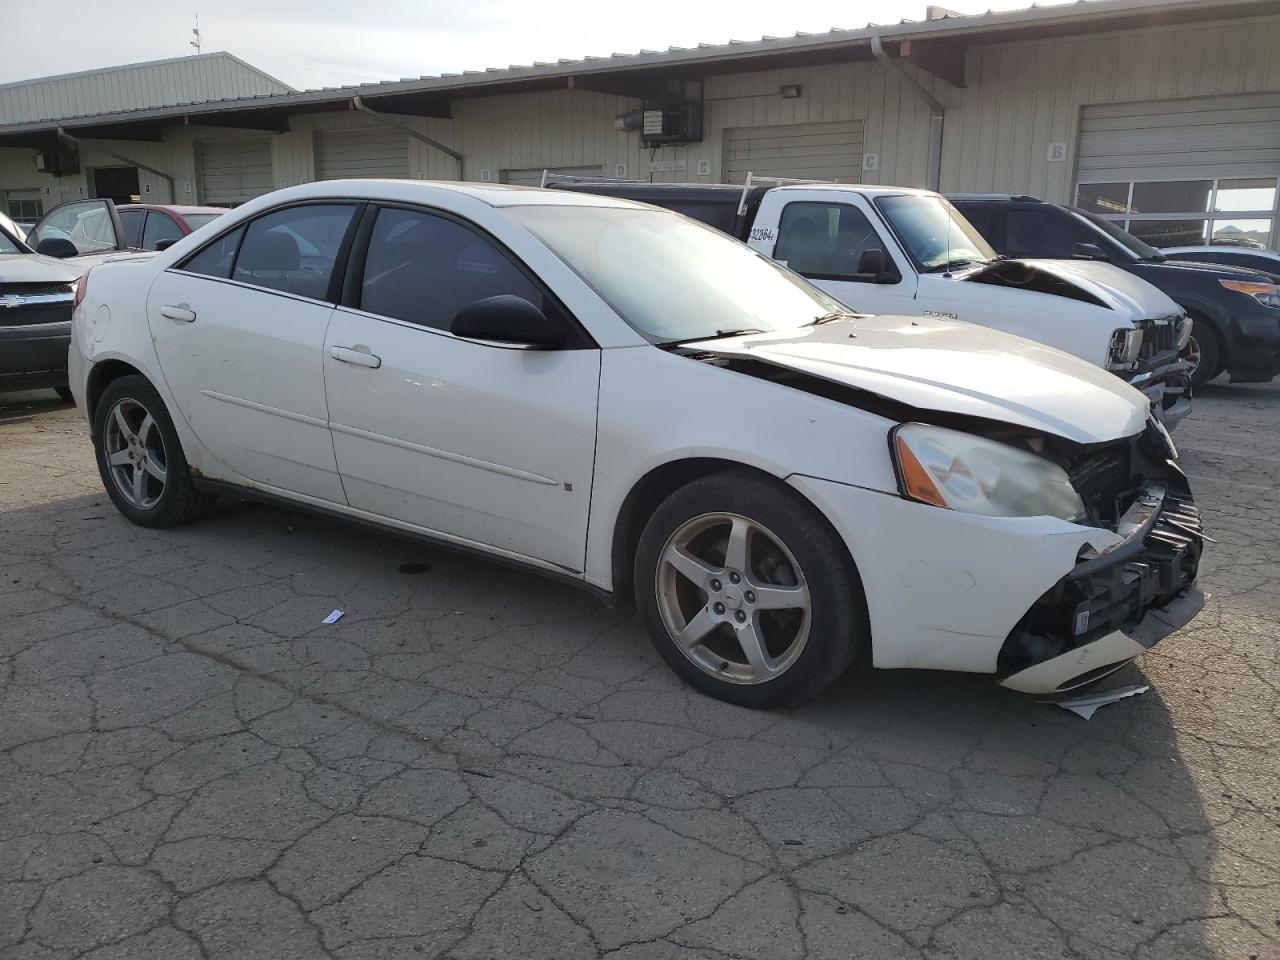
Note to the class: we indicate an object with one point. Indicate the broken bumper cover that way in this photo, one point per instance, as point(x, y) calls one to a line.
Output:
point(1114, 605)
point(1168, 389)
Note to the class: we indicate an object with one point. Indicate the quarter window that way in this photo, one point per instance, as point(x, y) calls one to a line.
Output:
point(294, 250)
point(1238, 212)
point(216, 259)
point(131, 221)
point(825, 241)
point(423, 269)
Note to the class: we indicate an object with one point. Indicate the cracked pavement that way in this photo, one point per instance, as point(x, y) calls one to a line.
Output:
point(477, 763)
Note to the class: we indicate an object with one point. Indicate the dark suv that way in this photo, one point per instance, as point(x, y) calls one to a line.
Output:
point(1236, 310)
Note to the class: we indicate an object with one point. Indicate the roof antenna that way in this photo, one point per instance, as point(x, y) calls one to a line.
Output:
point(196, 32)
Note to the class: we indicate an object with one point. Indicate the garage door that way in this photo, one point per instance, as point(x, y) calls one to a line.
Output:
point(532, 177)
point(1184, 172)
point(361, 153)
point(818, 151)
point(233, 171)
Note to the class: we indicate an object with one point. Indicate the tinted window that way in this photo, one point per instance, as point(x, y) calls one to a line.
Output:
point(216, 259)
point(131, 221)
point(294, 250)
point(424, 269)
point(1043, 233)
point(197, 220)
point(825, 240)
point(160, 226)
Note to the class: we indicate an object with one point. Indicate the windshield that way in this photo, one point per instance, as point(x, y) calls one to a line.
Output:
point(673, 279)
point(197, 220)
point(936, 236)
point(1141, 250)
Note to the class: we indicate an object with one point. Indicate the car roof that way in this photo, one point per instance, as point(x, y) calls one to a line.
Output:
point(865, 189)
point(180, 209)
point(424, 191)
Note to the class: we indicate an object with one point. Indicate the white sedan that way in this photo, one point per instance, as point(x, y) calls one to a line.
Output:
point(615, 395)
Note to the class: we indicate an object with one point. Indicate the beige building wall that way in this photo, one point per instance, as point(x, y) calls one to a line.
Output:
point(1020, 98)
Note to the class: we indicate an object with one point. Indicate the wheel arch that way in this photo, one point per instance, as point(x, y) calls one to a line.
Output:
point(665, 479)
point(102, 375)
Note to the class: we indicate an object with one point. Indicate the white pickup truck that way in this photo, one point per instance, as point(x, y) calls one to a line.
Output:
point(895, 250)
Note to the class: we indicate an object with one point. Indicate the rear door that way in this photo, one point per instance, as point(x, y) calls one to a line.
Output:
point(239, 328)
point(484, 443)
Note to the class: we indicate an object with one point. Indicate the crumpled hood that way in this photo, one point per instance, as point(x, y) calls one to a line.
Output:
point(33, 268)
point(1129, 295)
point(956, 368)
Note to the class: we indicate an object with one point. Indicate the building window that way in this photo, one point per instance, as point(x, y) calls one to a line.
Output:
point(1186, 213)
point(26, 211)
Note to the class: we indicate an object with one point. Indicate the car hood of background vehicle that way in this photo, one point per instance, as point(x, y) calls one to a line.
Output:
point(1123, 292)
point(956, 368)
point(1224, 271)
point(33, 268)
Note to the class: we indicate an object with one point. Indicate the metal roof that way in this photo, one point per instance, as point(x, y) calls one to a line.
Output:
point(154, 84)
point(629, 73)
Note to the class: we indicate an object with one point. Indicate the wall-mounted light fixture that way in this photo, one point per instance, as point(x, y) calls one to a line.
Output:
point(790, 91)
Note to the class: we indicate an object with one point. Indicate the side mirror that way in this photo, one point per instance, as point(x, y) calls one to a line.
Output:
point(165, 244)
point(1088, 251)
point(59, 247)
point(509, 319)
point(875, 262)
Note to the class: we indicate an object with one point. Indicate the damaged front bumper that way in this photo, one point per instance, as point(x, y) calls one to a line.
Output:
point(1115, 603)
point(1165, 380)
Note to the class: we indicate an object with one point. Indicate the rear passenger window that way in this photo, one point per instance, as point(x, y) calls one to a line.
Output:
point(294, 250)
point(216, 259)
point(825, 241)
point(423, 269)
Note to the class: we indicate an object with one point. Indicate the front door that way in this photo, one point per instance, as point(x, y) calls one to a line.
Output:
point(486, 444)
point(824, 241)
point(239, 329)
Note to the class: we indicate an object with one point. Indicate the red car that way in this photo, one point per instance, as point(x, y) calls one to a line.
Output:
point(148, 225)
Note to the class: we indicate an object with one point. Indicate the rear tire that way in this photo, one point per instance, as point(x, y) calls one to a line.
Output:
point(747, 592)
point(140, 457)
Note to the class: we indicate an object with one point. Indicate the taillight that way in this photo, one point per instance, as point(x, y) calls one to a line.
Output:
point(81, 287)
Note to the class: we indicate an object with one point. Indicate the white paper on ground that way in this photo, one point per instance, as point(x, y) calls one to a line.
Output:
point(1086, 706)
point(333, 617)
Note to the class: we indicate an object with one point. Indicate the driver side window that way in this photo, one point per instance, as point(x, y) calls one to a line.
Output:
point(826, 241)
point(423, 269)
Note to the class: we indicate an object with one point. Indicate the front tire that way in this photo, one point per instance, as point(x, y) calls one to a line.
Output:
point(1204, 353)
point(747, 593)
point(140, 457)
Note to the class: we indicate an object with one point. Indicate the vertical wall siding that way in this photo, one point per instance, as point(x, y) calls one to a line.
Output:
point(1019, 99)
point(1023, 97)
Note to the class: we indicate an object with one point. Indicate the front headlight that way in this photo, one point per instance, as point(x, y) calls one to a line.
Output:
point(1126, 345)
point(1267, 294)
point(948, 468)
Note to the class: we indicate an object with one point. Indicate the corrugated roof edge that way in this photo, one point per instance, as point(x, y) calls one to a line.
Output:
point(213, 54)
point(1079, 11)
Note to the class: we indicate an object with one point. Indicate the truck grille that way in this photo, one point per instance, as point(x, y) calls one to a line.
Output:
point(1159, 336)
point(25, 304)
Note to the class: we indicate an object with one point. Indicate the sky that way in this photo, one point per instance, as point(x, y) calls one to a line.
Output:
point(317, 43)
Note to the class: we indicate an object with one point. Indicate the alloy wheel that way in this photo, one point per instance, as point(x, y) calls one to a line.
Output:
point(1191, 354)
point(135, 454)
point(733, 598)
